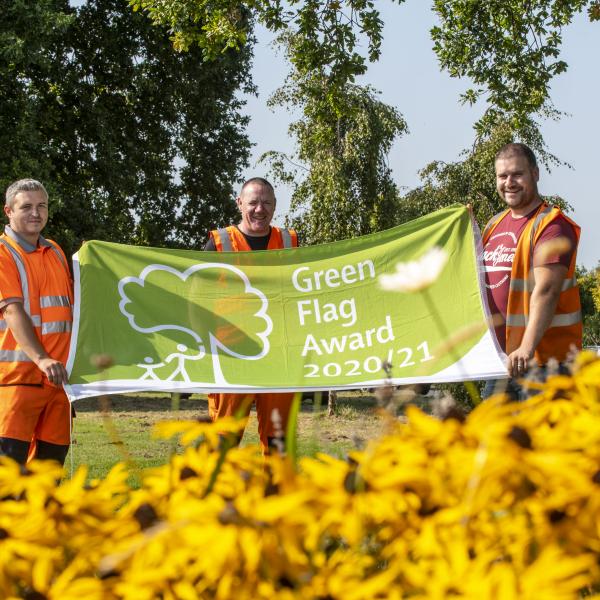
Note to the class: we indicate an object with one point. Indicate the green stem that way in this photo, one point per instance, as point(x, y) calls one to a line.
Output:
point(291, 442)
point(226, 445)
point(175, 403)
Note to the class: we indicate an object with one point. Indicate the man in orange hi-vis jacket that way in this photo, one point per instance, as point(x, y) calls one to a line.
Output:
point(256, 203)
point(529, 256)
point(36, 297)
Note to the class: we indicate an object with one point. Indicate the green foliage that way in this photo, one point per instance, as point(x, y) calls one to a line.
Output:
point(29, 36)
point(509, 49)
point(136, 143)
point(470, 181)
point(589, 290)
point(328, 32)
point(342, 185)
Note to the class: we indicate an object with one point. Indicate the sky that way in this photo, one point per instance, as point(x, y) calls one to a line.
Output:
point(409, 78)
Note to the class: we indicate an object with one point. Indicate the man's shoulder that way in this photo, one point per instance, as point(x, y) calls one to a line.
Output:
point(56, 247)
point(5, 246)
point(564, 219)
point(53, 243)
point(559, 225)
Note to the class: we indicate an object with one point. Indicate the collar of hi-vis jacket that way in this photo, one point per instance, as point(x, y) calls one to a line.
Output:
point(279, 238)
point(24, 244)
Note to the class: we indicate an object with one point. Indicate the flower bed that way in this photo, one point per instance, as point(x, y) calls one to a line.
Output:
point(503, 505)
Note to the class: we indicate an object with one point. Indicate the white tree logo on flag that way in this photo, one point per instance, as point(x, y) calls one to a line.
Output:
point(212, 303)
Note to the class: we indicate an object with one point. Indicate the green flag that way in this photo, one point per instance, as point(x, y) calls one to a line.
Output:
point(320, 317)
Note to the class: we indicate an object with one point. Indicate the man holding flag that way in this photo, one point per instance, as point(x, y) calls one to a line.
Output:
point(256, 204)
point(35, 329)
point(529, 255)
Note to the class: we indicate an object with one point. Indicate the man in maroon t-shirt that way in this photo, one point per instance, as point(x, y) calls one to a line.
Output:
point(517, 175)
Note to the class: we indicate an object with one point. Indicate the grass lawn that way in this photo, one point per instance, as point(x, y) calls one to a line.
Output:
point(100, 441)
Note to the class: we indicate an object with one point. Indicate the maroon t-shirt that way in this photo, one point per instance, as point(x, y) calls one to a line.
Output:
point(499, 253)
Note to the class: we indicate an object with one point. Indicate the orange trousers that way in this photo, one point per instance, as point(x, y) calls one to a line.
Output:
point(229, 405)
point(31, 413)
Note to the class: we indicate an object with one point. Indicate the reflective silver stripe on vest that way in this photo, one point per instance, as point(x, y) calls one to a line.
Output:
point(22, 274)
point(286, 236)
point(563, 320)
point(516, 320)
point(566, 319)
point(524, 285)
point(14, 356)
point(521, 285)
point(538, 219)
point(569, 283)
point(536, 225)
point(225, 241)
point(48, 301)
point(56, 327)
point(60, 257)
point(492, 222)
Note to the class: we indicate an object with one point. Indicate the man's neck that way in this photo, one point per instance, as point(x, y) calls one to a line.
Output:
point(523, 211)
point(29, 238)
point(243, 229)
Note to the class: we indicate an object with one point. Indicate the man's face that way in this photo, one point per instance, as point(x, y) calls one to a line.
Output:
point(516, 182)
point(257, 205)
point(28, 215)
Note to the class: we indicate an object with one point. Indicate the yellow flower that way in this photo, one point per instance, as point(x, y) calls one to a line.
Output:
point(192, 431)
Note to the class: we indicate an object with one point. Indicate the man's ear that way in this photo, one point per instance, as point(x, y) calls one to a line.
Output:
point(7, 210)
point(238, 202)
point(536, 174)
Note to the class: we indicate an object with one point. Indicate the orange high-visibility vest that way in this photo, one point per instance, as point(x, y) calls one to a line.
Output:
point(565, 330)
point(44, 283)
point(231, 239)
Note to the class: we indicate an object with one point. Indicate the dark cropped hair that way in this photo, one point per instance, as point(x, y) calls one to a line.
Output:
point(260, 181)
point(517, 149)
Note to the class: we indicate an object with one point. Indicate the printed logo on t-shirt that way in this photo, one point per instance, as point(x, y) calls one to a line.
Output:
point(498, 257)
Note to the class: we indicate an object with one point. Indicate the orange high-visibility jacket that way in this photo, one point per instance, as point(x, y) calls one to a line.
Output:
point(565, 330)
point(231, 239)
point(40, 276)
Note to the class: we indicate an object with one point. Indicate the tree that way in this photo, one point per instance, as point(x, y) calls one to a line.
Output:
point(28, 35)
point(341, 181)
point(510, 50)
point(137, 144)
point(468, 181)
point(342, 184)
point(328, 33)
